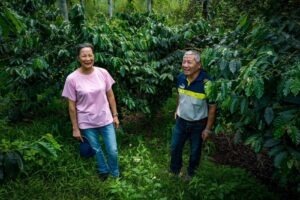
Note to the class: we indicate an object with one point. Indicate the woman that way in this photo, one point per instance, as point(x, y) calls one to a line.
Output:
point(92, 109)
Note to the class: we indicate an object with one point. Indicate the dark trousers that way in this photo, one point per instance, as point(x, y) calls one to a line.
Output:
point(185, 130)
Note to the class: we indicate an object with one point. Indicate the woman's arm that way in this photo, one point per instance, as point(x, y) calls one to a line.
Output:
point(73, 117)
point(113, 106)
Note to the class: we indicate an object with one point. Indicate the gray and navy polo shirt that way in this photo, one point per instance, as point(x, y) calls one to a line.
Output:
point(193, 103)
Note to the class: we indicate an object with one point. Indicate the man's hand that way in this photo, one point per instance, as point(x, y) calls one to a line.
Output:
point(116, 121)
point(205, 134)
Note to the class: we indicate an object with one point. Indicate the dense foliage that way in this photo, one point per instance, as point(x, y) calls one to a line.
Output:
point(256, 67)
point(254, 61)
point(139, 51)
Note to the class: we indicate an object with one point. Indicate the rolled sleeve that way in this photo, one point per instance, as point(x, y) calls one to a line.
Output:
point(69, 91)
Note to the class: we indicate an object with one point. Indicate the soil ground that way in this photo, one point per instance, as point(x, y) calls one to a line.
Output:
point(227, 152)
point(240, 155)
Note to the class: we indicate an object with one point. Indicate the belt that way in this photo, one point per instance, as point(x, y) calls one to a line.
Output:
point(200, 121)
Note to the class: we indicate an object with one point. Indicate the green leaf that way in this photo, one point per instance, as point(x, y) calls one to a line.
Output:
point(234, 104)
point(292, 132)
point(187, 35)
point(243, 23)
point(233, 66)
point(279, 132)
point(279, 158)
point(294, 152)
point(50, 139)
point(224, 90)
point(298, 138)
point(4, 27)
point(255, 141)
point(95, 39)
point(290, 163)
point(123, 71)
point(286, 89)
point(226, 103)
point(271, 142)
point(258, 86)
point(295, 86)
point(14, 20)
point(244, 105)
point(223, 64)
point(276, 150)
point(40, 63)
point(166, 76)
point(248, 90)
point(207, 57)
point(269, 115)
point(47, 148)
point(63, 52)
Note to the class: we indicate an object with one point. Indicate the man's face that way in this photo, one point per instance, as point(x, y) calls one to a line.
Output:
point(189, 65)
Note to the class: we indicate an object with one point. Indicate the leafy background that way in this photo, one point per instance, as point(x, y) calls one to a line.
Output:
point(251, 49)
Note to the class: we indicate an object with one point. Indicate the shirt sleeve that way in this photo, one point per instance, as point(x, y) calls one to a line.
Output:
point(69, 91)
point(109, 81)
point(177, 81)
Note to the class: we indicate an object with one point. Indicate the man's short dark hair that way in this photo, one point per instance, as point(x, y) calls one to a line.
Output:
point(195, 53)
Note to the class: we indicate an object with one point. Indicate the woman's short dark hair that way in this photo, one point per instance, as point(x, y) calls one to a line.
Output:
point(84, 45)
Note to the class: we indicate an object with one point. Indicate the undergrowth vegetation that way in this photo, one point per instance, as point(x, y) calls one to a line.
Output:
point(144, 161)
point(251, 49)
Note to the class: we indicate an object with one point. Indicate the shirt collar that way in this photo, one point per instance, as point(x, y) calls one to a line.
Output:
point(198, 78)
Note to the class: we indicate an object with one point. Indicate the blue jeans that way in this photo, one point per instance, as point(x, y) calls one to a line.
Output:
point(183, 131)
point(109, 139)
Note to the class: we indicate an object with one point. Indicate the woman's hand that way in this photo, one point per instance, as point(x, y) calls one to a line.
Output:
point(77, 135)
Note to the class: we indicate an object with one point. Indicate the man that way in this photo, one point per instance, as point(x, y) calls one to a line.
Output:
point(194, 115)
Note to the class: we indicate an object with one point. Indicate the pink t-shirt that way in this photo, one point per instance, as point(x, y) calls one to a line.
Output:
point(89, 93)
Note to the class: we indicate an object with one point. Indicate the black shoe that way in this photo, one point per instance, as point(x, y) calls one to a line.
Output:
point(103, 176)
point(187, 178)
point(175, 174)
point(117, 177)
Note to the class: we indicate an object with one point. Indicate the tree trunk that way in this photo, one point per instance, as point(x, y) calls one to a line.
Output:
point(82, 3)
point(110, 8)
point(205, 9)
point(130, 6)
point(149, 6)
point(82, 6)
point(193, 8)
point(64, 9)
point(197, 6)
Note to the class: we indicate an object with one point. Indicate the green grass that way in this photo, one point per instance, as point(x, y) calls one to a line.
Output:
point(144, 161)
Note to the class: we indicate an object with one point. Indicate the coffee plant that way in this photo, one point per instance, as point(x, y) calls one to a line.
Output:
point(255, 65)
point(257, 87)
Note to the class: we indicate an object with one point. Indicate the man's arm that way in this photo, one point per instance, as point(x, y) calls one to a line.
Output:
point(177, 102)
point(212, 109)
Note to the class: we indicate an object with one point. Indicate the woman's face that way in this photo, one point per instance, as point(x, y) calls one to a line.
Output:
point(86, 58)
